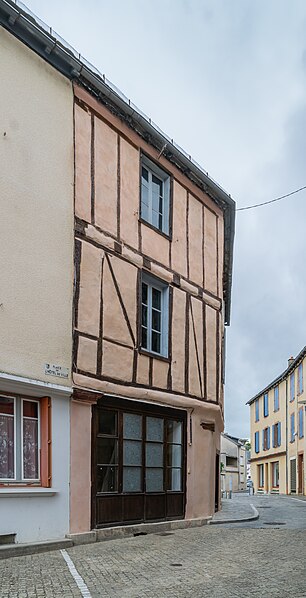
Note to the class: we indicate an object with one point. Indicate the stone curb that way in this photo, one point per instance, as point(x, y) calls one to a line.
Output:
point(99, 535)
point(238, 519)
point(11, 550)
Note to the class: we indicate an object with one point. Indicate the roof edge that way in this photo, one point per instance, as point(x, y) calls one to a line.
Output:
point(281, 377)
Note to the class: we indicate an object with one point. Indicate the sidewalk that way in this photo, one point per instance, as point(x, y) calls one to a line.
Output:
point(235, 509)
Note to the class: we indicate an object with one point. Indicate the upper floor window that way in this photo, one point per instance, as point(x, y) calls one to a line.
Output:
point(292, 427)
point(292, 390)
point(256, 442)
point(301, 422)
point(276, 434)
point(257, 410)
point(266, 405)
point(155, 195)
point(154, 315)
point(266, 439)
point(276, 398)
point(19, 439)
point(300, 379)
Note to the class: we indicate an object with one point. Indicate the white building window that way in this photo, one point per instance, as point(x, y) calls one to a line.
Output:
point(154, 316)
point(155, 195)
point(19, 439)
point(275, 474)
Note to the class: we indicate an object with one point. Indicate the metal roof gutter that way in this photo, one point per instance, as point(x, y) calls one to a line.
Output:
point(281, 377)
point(18, 19)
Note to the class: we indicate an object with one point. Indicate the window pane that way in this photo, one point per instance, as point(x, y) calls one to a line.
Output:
point(155, 429)
point(144, 313)
point(132, 452)
point(160, 221)
point(107, 451)
point(6, 406)
point(30, 449)
point(107, 479)
point(155, 218)
point(144, 173)
point(156, 298)
point(144, 338)
point(132, 426)
point(154, 454)
point(7, 468)
point(108, 422)
point(174, 431)
point(156, 342)
point(174, 455)
point(30, 409)
point(156, 320)
point(132, 479)
point(174, 479)
point(144, 293)
point(154, 480)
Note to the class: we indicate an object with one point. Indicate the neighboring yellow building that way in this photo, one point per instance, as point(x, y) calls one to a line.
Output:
point(278, 432)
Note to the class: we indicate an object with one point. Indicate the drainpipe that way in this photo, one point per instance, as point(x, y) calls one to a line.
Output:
point(287, 436)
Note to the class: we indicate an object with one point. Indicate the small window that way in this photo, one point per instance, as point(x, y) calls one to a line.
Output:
point(276, 398)
point(301, 422)
point(292, 390)
point(266, 405)
point(300, 379)
point(275, 474)
point(260, 476)
point(292, 427)
point(154, 316)
point(19, 439)
point(155, 195)
point(257, 410)
point(256, 442)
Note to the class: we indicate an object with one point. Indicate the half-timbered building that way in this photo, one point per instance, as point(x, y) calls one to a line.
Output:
point(153, 252)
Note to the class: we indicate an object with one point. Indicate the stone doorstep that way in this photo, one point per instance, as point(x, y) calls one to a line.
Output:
point(11, 550)
point(127, 531)
point(98, 535)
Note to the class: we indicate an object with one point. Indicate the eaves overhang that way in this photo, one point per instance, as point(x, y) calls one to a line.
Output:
point(281, 377)
point(24, 25)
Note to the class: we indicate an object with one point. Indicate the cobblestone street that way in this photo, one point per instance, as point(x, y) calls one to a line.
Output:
point(212, 561)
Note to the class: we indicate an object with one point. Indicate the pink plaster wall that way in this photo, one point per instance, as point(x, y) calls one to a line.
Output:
point(179, 234)
point(195, 236)
point(80, 467)
point(129, 193)
point(210, 251)
point(178, 340)
point(106, 176)
point(211, 349)
point(82, 164)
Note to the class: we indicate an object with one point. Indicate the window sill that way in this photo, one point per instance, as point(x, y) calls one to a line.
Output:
point(157, 230)
point(26, 492)
point(154, 355)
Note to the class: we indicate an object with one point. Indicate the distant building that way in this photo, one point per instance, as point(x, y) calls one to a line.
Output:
point(233, 463)
point(278, 432)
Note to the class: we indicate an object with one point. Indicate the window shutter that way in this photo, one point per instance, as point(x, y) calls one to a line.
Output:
point(273, 435)
point(268, 438)
point(263, 440)
point(279, 434)
point(45, 442)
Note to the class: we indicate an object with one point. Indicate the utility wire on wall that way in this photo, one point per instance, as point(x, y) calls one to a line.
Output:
point(258, 205)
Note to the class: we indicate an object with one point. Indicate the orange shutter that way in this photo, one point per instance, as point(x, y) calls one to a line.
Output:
point(45, 442)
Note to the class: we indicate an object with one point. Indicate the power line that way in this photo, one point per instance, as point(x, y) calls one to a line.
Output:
point(271, 200)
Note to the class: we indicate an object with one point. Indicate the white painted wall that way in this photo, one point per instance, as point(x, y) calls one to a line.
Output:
point(36, 206)
point(43, 517)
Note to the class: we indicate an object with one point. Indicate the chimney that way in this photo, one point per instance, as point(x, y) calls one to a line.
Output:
point(290, 360)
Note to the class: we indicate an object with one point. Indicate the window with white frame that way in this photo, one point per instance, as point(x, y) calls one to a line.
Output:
point(19, 439)
point(260, 476)
point(154, 315)
point(275, 474)
point(155, 195)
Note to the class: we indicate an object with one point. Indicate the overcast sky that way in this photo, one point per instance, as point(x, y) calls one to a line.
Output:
point(226, 79)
